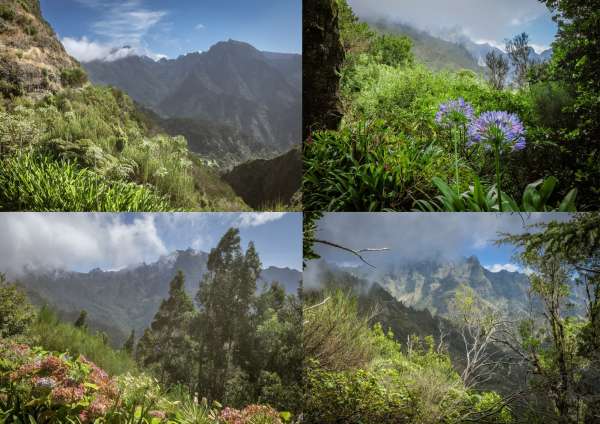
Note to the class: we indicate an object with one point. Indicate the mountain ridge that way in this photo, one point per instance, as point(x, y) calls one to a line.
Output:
point(232, 83)
point(129, 297)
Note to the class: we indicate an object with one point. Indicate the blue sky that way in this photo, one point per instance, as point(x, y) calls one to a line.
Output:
point(422, 236)
point(490, 21)
point(89, 29)
point(82, 242)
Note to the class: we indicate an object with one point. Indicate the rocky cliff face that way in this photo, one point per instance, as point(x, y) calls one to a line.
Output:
point(323, 55)
point(264, 182)
point(32, 60)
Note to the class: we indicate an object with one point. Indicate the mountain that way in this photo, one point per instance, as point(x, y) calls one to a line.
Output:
point(32, 60)
point(430, 285)
point(265, 182)
point(451, 50)
point(233, 84)
point(403, 320)
point(129, 298)
point(434, 52)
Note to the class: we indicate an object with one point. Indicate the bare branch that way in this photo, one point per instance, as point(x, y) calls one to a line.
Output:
point(354, 252)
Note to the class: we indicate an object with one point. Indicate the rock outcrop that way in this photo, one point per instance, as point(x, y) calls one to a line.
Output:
point(33, 62)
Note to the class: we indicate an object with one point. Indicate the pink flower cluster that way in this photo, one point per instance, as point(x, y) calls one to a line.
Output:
point(60, 381)
point(246, 415)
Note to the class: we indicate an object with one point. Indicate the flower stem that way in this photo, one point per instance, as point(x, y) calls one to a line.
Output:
point(456, 164)
point(498, 177)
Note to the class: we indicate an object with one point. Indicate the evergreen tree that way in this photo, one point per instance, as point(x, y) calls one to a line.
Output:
point(80, 322)
point(130, 343)
point(226, 297)
point(167, 346)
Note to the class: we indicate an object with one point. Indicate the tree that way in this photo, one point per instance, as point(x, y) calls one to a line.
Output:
point(392, 50)
point(498, 67)
point(518, 50)
point(575, 63)
point(478, 326)
point(225, 297)
point(561, 346)
point(16, 313)
point(166, 347)
point(129, 345)
point(80, 321)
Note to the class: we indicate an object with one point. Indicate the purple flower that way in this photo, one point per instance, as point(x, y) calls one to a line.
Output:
point(454, 112)
point(498, 128)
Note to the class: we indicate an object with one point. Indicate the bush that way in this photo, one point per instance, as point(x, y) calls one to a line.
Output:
point(369, 168)
point(16, 314)
point(7, 12)
point(48, 331)
point(29, 182)
point(73, 77)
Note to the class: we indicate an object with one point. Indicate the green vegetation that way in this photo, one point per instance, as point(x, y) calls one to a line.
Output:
point(358, 373)
point(37, 183)
point(86, 149)
point(74, 77)
point(241, 347)
point(391, 153)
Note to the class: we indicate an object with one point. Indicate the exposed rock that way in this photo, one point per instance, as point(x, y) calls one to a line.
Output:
point(32, 60)
point(323, 55)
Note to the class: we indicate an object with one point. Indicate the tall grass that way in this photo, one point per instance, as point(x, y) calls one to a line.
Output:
point(54, 335)
point(31, 182)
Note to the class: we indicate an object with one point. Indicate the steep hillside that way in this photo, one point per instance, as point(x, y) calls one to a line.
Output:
point(435, 53)
point(32, 60)
point(429, 285)
point(232, 84)
point(129, 298)
point(222, 144)
point(73, 146)
point(265, 182)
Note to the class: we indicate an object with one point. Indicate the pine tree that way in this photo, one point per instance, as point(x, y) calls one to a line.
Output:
point(130, 343)
point(80, 321)
point(166, 346)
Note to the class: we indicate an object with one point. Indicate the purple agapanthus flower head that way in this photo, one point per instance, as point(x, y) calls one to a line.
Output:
point(498, 128)
point(454, 112)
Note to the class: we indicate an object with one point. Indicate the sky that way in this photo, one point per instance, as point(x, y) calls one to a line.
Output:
point(424, 236)
point(91, 29)
point(81, 242)
point(490, 21)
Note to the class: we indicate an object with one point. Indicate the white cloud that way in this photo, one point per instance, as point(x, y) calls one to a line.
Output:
point(254, 219)
point(85, 50)
point(120, 23)
point(477, 19)
point(503, 267)
point(420, 236)
point(200, 26)
point(59, 241)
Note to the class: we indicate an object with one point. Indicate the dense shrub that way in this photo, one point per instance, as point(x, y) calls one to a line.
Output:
point(73, 77)
point(417, 384)
point(370, 168)
point(7, 12)
point(56, 336)
point(39, 386)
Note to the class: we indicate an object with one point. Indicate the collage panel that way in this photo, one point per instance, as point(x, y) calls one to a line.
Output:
point(452, 318)
point(150, 318)
point(462, 106)
point(150, 106)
